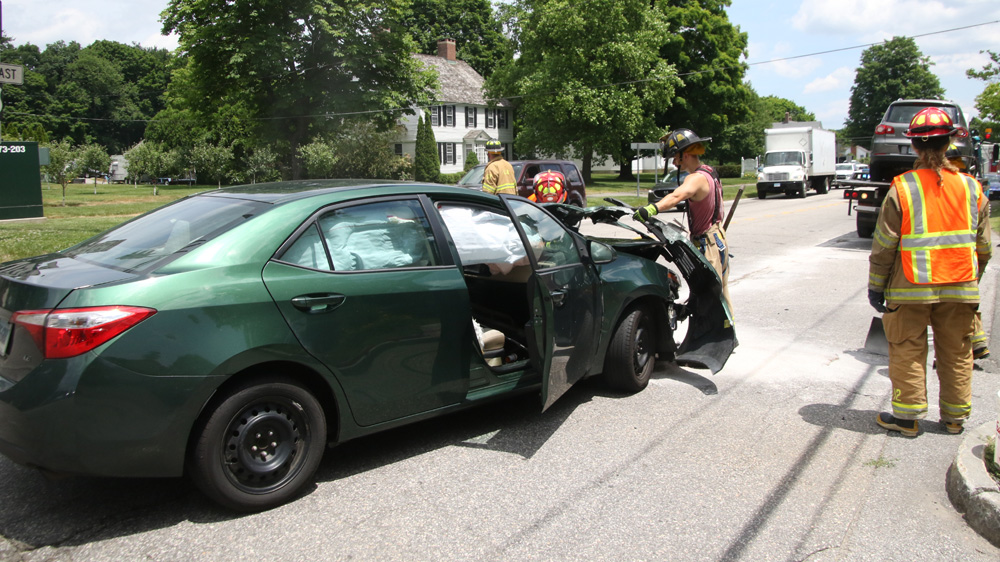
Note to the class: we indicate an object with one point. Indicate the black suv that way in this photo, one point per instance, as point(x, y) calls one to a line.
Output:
point(892, 153)
point(525, 172)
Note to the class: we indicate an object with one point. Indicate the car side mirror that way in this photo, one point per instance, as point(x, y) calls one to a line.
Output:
point(601, 253)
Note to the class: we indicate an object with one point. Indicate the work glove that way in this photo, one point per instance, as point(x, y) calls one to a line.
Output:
point(643, 213)
point(877, 300)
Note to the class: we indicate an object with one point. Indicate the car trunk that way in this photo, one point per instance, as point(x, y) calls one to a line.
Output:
point(37, 284)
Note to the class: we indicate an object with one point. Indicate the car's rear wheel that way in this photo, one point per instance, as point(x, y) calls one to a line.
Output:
point(632, 353)
point(259, 446)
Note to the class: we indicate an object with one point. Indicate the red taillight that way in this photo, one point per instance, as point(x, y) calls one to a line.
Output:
point(962, 133)
point(69, 332)
point(884, 130)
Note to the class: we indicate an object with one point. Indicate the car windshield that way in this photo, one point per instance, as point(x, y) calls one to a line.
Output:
point(473, 176)
point(845, 167)
point(140, 244)
point(782, 158)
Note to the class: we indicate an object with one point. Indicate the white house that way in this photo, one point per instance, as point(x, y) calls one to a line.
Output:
point(461, 118)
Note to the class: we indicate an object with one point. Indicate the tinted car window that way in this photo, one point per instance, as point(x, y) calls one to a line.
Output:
point(553, 245)
point(385, 235)
point(572, 175)
point(904, 113)
point(142, 243)
point(474, 176)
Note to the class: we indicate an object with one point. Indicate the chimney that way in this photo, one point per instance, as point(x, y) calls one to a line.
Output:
point(446, 49)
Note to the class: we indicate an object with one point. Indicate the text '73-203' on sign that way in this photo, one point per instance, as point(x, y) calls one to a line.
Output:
point(11, 74)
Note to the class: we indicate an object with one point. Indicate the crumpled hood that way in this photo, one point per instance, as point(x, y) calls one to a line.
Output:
point(711, 337)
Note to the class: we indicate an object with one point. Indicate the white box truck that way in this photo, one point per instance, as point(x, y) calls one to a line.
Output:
point(797, 159)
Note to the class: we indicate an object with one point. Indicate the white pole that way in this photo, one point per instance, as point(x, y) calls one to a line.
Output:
point(996, 435)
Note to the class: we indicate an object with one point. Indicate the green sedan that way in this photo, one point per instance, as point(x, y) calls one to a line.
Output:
point(232, 335)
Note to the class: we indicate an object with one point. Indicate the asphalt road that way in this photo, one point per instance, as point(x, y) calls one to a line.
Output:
point(777, 457)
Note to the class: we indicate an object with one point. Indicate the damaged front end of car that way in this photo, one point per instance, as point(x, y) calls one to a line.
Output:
point(710, 338)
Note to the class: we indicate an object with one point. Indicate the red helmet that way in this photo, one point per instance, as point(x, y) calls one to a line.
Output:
point(549, 187)
point(931, 122)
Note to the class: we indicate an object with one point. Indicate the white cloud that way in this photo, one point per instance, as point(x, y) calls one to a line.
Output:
point(794, 68)
point(839, 78)
point(125, 21)
point(833, 113)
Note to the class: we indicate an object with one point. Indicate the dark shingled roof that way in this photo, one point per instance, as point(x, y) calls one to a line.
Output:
point(459, 82)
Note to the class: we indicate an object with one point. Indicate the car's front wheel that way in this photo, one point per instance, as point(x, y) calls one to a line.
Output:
point(259, 446)
point(632, 353)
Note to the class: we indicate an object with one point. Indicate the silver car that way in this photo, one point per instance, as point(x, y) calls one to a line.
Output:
point(892, 153)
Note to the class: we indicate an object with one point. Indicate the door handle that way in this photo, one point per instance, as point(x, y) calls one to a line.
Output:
point(315, 304)
point(558, 297)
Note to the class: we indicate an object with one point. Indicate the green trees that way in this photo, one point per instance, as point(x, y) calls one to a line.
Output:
point(988, 102)
point(61, 167)
point(296, 68)
point(101, 94)
point(590, 77)
point(473, 25)
point(892, 70)
point(425, 161)
point(706, 49)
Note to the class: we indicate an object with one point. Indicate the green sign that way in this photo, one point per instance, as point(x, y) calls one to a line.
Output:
point(20, 181)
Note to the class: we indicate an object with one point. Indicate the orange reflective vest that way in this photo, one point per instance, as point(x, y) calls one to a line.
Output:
point(937, 243)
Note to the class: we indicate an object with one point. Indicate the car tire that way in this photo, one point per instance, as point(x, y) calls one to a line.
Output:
point(761, 194)
point(275, 419)
point(865, 230)
point(632, 352)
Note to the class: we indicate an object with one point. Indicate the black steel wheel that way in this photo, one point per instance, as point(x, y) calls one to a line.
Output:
point(260, 445)
point(632, 353)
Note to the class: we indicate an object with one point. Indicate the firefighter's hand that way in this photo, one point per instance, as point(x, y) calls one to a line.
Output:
point(643, 213)
point(877, 300)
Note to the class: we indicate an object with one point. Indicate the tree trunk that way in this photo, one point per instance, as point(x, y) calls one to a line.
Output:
point(588, 162)
point(625, 171)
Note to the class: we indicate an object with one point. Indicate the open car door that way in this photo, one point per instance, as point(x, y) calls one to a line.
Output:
point(563, 293)
point(710, 337)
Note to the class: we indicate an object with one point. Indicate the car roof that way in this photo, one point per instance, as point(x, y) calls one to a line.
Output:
point(286, 191)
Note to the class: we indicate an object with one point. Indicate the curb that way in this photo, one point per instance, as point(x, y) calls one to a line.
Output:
point(971, 489)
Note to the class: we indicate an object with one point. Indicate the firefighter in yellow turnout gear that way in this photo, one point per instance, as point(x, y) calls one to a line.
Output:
point(980, 347)
point(498, 177)
point(930, 247)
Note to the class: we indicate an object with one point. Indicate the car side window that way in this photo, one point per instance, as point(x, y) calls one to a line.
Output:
point(573, 175)
point(372, 236)
point(483, 236)
point(552, 243)
point(308, 251)
point(530, 172)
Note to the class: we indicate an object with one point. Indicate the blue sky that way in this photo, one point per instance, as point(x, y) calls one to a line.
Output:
point(822, 83)
point(777, 31)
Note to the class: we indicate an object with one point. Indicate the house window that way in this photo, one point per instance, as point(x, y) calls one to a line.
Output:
point(446, 152)
point(491, 120)
point(398, 149)
point(501, 118)
point(449, 116)
point(471, 118)
point(435, 116)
